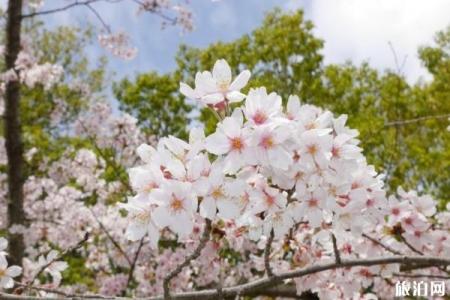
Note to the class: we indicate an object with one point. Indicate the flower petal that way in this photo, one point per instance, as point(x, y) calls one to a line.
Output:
point(217, 143)
point(222, 72)
point(188, 91)
point(240, 81)
point(235, 96)
point(208, 208)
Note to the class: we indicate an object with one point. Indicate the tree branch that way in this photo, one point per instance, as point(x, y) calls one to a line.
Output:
point(377, 242)
point(267, 250)
point(204, 239)
point(268, 283)
point(113, 241)
point(59, 257)
point(59, 9)
point(133, 265)
point(52, 291)
point(411, 247)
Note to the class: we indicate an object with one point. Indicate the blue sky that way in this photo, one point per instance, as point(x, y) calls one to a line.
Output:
point(355, 30)
point(223, 20)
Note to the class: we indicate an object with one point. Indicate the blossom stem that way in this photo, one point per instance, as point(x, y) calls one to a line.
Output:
point(203, 240)
point(267, 251)
point(337, 255)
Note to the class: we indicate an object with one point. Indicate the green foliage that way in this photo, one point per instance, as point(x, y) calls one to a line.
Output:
point(46, 114)
point(78, 273)
point(154, 100)
point(279, 53)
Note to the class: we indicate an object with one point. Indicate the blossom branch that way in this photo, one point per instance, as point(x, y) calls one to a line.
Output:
point(377, 242)
point(111, 163)
point(411, 247)
point(133, 265)
point(110, 237)
point(59, 9)
point(99, 17)
point(153, 9)
point(268, 283)
point(267, 251)
point(52, 291)
point(59, 257)
point(203, 240)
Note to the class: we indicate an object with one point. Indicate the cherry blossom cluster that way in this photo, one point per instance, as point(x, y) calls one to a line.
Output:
point(409, 228)
point(30, 72)
point(72, 194)
point(294, 172)
point(273, 167)
point(165, 8)
point(118, 44)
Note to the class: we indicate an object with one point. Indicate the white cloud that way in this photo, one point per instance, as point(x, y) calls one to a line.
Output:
point(361, 30)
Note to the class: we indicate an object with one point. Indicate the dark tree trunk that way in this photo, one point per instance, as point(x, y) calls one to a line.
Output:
point(13, 134)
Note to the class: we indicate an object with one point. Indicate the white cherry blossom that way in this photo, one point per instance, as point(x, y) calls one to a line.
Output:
point(177, 205)
point(261, 108)
point(7, 273)
point(216, 88)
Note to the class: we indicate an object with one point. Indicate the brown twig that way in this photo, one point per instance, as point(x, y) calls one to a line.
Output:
point(411, 247)
point(113, 241)
point(267, 251)
point(59, 257)
point(58, 292)
point(375, 241)
point(194, 255)
point(59, 9)
point(133, 265)
point(337, 255)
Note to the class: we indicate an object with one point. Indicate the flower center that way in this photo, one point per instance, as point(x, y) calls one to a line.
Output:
point(176, 205)
point(365, 273)
point(408, 221)
point(395, 211)
point(223, 85)
point(2, 273)
point(217, 193)
point(236, 144)
point(270, 200)
point(149, 187)
point(166, 173)
point(336, 152)
point(259, 117)
point(143, 216)
point(299, 175)
point(312, 149)
point(266, 142)
point(313, 202)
